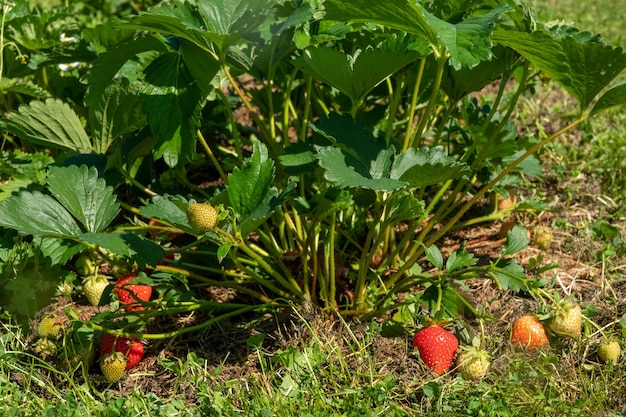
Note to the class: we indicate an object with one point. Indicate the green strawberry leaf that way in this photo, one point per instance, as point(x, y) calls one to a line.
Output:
point(226, 21)
point(467, 41)
point(118, 112)
point(403, 206)
point(84, 195)
point(59, 251)
point(173, 103)
point(426, 166)
point(616, 96)
point(582, 68)
point(593, 67)
point(398, 14)
point(250, 193)
point(77, 195)
point(348, 172)
point(46, 216)
point(459, 259)
point(221, 22)
point(171, 209)
point(510, 275)
point(48, 123)
point(127, 245)
point(109, 63)
point(452, 304)
point(355, 159)
point(516, 240)
point(434, 256)
point(354, 75)
point(248, 186)
point(201, 65)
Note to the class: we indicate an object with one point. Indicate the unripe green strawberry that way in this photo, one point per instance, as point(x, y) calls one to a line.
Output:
point(93, 287)
point(85, 266)
point(568, 320)
point(542, 237)
point(609, 351)
point(473, 363)
point(44, 348)
point(201, 217)
point(50, 327)
point(113, 366)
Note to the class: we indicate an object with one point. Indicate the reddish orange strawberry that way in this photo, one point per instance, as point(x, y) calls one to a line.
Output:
point(528, 332)
point(437, 348)
point(130, 295)
point(131, 348)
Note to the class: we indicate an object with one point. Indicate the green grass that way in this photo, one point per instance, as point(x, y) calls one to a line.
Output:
point(600, 151)
point(332, 369)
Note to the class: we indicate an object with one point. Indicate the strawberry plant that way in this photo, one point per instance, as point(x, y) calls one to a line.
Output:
point(289, 151)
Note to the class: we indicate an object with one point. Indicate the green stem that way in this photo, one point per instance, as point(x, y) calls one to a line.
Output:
point(416, 89)
point(364, 262)
point(258, 119)
point(227, 284)
point(212, 157)
point(441, 61)
point(396, 98)
point(288, 283)
point(179, 332)
point(136, 183)
point(307, 109)
point(332, 276)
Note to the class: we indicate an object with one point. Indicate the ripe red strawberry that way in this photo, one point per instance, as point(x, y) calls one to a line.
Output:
point(201, 217)
point(473, 362)
point(567, 321)
point(131, 348)
point(528, 332)
point(437, 348)
point(113, 366)
point(129, 294)
point(93, 287)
